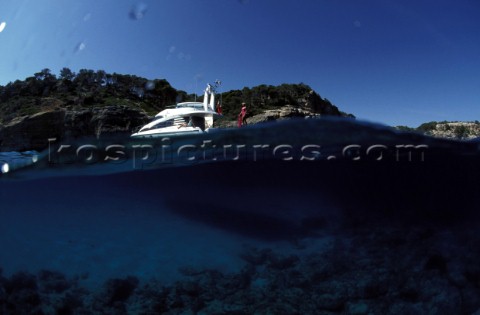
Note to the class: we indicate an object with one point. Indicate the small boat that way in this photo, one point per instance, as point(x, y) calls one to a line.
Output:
point(183, 118)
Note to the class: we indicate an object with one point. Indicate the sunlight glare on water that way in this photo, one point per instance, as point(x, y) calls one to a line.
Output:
point(5, 168)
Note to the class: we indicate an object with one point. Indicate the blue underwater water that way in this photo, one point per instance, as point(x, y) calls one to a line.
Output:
point(311, 216)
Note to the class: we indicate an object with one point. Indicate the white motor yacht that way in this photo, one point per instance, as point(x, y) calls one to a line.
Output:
point(184, 118)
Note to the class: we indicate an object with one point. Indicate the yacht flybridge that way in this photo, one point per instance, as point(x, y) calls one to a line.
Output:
point(184, 118)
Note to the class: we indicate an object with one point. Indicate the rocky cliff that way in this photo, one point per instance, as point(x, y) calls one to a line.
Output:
point(448, 129)
point(284, 112)
point(31, 132)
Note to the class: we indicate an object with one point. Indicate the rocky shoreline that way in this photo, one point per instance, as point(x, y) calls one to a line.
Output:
point(455, 130)
point(284, 112)
point(459, 130)
point(33, 131)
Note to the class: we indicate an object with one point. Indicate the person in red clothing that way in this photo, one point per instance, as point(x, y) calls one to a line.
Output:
point(242, 117)
point(219, 108)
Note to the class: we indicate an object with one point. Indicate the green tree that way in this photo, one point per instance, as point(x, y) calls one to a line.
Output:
point(45, 75)
point(405, 128)
point(48, 81)
point(461, 131)
point(65, 83)
point(66, 74)
point(428, 126)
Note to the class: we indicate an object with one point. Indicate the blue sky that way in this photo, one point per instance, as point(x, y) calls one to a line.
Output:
point(389, 61)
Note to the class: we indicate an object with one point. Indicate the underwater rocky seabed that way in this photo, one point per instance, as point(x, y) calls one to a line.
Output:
point(253, 237)
point(371, 272)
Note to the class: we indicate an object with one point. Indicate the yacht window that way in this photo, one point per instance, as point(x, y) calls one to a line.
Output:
point(190, 105)
point(162, 124)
